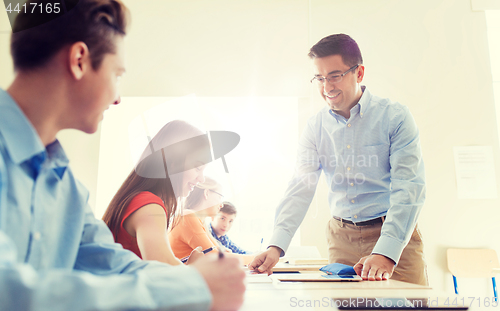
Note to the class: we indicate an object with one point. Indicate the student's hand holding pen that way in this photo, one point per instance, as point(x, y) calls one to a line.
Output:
point(225, 279)
point(265, 261)
point(195, 255)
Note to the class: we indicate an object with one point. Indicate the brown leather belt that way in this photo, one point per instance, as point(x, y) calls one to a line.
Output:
point(362, 223)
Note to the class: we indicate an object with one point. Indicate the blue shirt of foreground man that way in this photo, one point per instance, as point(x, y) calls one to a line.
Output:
point(369, 149)
point(54, 255)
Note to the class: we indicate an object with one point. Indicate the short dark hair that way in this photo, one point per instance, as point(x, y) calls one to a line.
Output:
point(228, 208)
point(36, 38)
point(338, 44)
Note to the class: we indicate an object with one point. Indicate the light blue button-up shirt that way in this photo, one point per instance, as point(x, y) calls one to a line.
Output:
point(54, 254)
point(373, 167)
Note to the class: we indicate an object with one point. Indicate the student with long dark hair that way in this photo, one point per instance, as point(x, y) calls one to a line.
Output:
point(145, 206)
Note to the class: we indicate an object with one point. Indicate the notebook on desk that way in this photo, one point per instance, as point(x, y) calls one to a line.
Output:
point(317, 277)
point(285, 267)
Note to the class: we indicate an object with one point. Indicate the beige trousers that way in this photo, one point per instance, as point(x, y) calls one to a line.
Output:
point(348, 243)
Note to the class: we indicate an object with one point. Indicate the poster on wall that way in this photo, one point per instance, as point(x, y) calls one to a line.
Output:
point(475, 172)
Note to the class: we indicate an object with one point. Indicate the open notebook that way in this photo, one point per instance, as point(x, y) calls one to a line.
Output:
point(317, 277)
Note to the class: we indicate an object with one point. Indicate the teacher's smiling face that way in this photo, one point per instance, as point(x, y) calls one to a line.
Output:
point(343, 95)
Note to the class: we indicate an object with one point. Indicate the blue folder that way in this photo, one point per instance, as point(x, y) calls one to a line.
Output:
point(338, 269)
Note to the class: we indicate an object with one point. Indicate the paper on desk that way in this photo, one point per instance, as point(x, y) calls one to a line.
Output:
point(257, 278)
point(475, 172)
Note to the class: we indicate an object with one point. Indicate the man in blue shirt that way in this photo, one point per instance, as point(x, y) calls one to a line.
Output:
point(221, 224)
point(369, 149)
point(54, 254)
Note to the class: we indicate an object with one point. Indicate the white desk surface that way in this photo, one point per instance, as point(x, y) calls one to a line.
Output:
point(278, 295)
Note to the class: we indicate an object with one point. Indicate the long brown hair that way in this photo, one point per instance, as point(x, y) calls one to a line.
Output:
point(132, 186)
point(137, 181)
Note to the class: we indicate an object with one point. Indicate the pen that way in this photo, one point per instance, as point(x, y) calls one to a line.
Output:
point(208, 250)
point(261, 241)
point(183, 260)
point(220, 247)
point(221, 254)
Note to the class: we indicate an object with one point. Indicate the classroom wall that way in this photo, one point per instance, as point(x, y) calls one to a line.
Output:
point(431, 55)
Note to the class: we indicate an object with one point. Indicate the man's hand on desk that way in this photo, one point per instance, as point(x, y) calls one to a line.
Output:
point(225, 279)
point(374, 267)
point(265, 261)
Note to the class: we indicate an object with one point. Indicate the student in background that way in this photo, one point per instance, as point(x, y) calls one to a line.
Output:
point(221, 224)
point(54, 254)
point(143, 209)
point(189, 232)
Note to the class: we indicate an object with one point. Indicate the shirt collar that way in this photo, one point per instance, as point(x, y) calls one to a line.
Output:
point(360, 107)
point(58, 159)
point(364, 101)
point(22, 140)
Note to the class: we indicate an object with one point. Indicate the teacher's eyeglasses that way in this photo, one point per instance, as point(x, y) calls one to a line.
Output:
point(333, 78)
